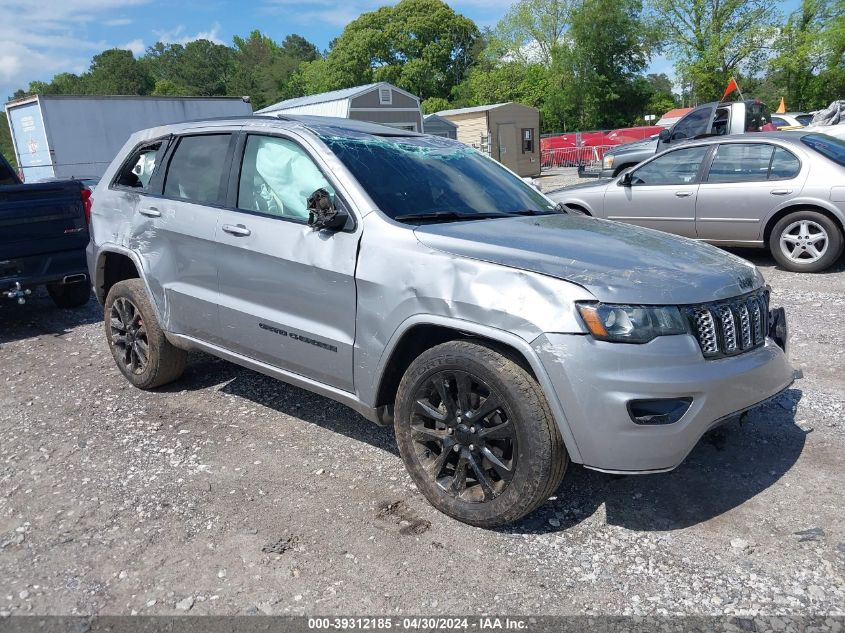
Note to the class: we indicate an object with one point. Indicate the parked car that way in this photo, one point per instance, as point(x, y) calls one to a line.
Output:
point(791, 120)
point(710, 119)
point(424, 285)
point(43, 235)
point(782, 191)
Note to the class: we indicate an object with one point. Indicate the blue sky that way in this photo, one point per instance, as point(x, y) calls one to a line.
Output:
point(51, 36)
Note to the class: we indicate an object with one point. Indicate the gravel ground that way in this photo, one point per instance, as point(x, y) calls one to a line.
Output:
point(231, 493)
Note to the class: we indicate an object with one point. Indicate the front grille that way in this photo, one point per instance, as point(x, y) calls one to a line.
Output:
point(727, 328)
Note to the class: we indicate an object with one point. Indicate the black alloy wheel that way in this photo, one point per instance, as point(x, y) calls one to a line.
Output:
point(129, 336)
point(463, 436)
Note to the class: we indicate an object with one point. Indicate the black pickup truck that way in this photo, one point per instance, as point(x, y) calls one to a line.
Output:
point(43, 235)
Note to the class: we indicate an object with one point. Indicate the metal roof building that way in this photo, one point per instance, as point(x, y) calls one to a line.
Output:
point(438, 126)
point(379, 102)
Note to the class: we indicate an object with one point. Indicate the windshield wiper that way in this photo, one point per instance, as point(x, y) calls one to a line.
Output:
point(532, 212)
point(448, 216)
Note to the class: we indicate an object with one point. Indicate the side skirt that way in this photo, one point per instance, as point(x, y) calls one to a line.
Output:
point(344, 397)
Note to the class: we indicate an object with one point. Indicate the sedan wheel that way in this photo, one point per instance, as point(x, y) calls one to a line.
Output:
point(804, 241)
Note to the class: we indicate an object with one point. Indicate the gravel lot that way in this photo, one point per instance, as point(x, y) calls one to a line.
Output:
point(231, 493)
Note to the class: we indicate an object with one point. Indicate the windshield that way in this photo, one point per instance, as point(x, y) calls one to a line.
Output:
point(427, 177)
point(832, 148)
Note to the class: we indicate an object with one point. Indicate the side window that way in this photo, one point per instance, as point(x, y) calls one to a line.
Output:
point(138, 170)
point(277, 178)
point(741, 162)
point(527, 140)
point(674, 168)
point(784, 165)
point(693, 124)
point(196, 171)
point(776, 120)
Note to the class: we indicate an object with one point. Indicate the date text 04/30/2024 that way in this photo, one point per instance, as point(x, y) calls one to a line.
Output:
point(419, 623)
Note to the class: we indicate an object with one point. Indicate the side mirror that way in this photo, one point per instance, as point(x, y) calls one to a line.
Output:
point(665, 136)
point(625, 181)
point(322, 214)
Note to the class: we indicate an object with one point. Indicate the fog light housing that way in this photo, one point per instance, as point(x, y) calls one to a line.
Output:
point(660, 411)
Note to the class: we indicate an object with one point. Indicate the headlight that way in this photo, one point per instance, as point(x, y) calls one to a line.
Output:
point(631, 324)
point(607, 161)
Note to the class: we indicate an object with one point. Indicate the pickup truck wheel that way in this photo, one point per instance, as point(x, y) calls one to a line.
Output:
point(476, 434)
point(136, 339)
point(73, 295)
point(806, 242)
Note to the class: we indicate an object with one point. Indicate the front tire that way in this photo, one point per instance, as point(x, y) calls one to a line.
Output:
point(806, 242)
point(476, 434)
point(142, 353)
point(69, 296)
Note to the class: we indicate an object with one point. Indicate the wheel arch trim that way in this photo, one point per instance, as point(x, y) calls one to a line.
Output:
point(796, 205)
point(508, 339)
point(99, 272)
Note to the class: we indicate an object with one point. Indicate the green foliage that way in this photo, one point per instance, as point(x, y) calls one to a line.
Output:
point(532, 30)
point(422, 46)
point(255, 66)
point(435, 104)
point(6, 147)
point(117, 72)
point(712, 40)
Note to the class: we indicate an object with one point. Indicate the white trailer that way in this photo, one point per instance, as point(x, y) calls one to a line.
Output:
point(63, 136)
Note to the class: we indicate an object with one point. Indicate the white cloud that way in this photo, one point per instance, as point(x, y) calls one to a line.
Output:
point(118, 22)
point(178, 36)
point(136, 46)
point(49, 37)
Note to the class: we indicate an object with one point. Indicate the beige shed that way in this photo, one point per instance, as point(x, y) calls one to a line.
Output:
point(509, 132)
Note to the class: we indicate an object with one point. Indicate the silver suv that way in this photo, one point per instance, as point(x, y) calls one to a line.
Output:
point(426, 286)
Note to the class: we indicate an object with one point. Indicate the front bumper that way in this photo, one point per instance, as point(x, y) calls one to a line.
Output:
point(594, 381)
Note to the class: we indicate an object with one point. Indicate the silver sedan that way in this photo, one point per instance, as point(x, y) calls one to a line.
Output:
point(784, 191)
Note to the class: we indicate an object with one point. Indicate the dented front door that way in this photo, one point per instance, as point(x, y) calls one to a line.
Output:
point(287, 292)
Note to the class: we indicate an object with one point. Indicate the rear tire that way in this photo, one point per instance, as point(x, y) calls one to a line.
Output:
point(806, 242)
point(69, 296)
point(510, 457)
point(141, 351)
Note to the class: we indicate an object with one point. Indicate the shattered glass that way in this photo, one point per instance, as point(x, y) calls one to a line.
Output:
point(427, 177)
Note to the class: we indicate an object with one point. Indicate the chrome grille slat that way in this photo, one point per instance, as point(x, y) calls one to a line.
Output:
point(727, 328)
point(726, 318)
point(744, 326)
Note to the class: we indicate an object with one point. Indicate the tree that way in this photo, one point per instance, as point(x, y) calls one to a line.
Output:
point(800, 54)
point(263, 69)
point(435, 104)
point(610, 47)
point(297, 47)
point(711, 40)
point(117, 72)
point(532, 30)
point(422, 46)
point(204, 68)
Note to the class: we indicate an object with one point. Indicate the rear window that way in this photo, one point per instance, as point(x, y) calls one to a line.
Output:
point(757, 117)
point(197, 169)
point(827, 146)
point(805, 119)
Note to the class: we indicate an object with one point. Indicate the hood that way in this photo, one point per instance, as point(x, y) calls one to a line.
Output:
point(617, 263)
point(636, 146)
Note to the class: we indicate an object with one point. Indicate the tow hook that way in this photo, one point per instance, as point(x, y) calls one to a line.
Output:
point(18, 293)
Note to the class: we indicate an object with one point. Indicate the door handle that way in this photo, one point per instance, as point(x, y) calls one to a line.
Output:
point(781, 192)
point(150, 212)
point(683, 194)
point(238, 230)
